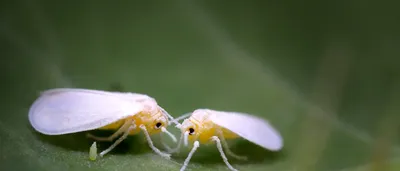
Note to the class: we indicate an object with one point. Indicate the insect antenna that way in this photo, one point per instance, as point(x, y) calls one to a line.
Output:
point(170, 117)
point(163, 129)
point(186, 138)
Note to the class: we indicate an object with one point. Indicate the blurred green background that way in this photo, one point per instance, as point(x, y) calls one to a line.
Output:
point(324, 73)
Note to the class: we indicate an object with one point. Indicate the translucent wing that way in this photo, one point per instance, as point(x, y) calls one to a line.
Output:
point(249, 127)
point(62, 111)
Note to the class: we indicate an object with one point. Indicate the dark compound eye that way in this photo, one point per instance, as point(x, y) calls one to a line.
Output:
point(158, 125)
point(191, 131)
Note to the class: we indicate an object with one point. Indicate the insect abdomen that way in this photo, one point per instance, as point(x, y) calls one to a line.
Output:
point(228, 134)
point(210, 130)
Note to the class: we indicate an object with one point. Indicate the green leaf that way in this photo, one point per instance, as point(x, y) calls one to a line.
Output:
point(325, 78)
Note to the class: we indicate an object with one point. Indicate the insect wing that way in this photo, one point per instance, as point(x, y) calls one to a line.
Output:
point(249, 127)
point(62, 111)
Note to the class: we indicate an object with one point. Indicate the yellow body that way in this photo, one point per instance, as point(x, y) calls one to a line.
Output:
point(142, 118)
point(204, 128)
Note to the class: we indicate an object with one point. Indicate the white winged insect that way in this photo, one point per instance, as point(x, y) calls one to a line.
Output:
point(206, 125)
point(70, 110)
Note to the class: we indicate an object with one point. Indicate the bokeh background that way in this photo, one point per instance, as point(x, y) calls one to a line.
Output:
point(324, 73)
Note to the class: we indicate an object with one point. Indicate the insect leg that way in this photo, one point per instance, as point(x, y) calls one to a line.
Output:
point(219, 146)
point(156, 150)
point(113, 136)
point(176, 149)
point(226, 147)
point(119, 140)
point(195, 146)
point(164, 144)
point(172, 136)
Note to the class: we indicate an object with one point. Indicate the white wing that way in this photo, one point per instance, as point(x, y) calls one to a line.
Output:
point(66, 110)
point(252, 128)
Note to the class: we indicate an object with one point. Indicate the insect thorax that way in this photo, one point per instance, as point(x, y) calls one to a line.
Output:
point(200, 116)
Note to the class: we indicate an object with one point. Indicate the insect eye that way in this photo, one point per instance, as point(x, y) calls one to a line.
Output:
point(158, 125)
point(191, 131)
